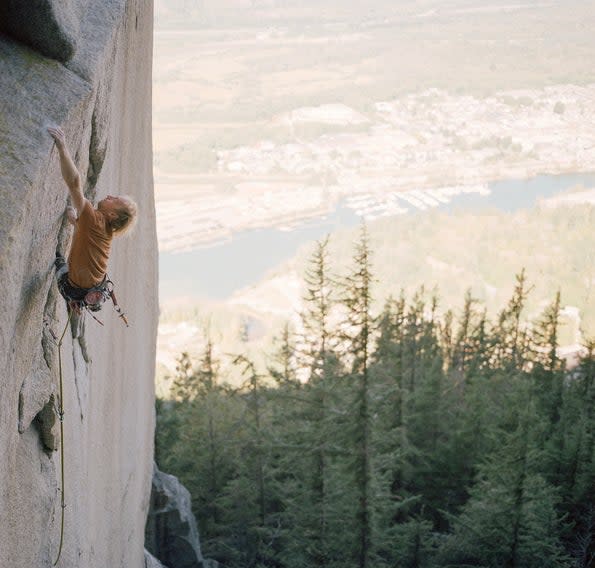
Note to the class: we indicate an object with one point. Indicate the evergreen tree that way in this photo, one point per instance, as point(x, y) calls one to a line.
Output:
point(407, 440)
point(284, 367)
point(396, 530)
point(184, 387)
point(393, 446)
point(201, 455)
point(548, 369)
point(167, 431)
point(511, 518)
point(357, 331)
point(584, 385)
point(463, 348)
point(578, 421)
point(548, 375)
point(513, 341)
point(311, 444)
point(464, 403)
point(251, 533)
point(320, 362)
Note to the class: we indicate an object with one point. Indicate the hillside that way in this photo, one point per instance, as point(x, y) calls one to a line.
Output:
point(480, 250)
point(448, 253)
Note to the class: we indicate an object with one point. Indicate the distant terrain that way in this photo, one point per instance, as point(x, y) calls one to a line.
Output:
point(446, 253)
point(461, 131)
point(378, 160)
point(268, 113)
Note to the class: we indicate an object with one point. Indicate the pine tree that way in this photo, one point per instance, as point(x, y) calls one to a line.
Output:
point(311, 444)
point(464, 401)
point(284, 367)
point(407, 440)
point(250, 533)
point(201, 454)
point(510, 520)
point(578, 419)
point(396, 531)
point(548, 375)
point(548, 370)
point(358, 329)
point(319, 361)
point(388, 369)
point(584, 377)
point(513, 345)
point(184, 387)
point(167, 431)
point(463, 347)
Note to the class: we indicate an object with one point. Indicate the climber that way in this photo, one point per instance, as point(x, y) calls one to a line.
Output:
point(83, 281)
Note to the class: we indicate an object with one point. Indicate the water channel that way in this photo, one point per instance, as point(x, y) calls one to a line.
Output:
point(218, 271)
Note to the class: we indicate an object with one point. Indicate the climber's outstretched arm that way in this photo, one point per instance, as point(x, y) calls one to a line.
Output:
point(69, 172)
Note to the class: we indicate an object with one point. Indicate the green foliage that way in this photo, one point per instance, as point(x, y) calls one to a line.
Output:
point(403, 439)
point(447, 252)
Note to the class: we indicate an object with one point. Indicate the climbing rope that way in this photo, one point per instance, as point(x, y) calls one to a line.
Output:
point(61, 416)
point(106, 290)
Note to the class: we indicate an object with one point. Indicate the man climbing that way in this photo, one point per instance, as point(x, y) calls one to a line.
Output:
point(83, 281)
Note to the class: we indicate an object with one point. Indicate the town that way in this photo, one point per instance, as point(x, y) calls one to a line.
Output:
point(412, 152)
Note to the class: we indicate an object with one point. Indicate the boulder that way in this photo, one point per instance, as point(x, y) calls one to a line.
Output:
point(151, 561)
point(48, 26)
point(171, 533)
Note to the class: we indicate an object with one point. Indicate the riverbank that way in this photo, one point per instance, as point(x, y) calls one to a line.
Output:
point(218, 271)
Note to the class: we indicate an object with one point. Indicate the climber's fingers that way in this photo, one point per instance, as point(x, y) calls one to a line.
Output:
point(57, 134)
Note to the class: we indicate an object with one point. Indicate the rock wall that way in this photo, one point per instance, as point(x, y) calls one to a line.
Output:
point(171, 533)
point(93, 79)
point(151, 561)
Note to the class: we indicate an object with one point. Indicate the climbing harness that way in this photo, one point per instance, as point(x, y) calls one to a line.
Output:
point(91, 299)
point(60, 412)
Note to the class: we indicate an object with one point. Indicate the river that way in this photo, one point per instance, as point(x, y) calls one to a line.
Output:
point(216, 272)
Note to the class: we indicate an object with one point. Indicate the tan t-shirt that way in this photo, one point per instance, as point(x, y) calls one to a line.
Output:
point(87, 263)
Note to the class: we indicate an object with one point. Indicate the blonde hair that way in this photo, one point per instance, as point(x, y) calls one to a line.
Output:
point(126, 218)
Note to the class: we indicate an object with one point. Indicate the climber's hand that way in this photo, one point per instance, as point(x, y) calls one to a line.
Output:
point(58, 135)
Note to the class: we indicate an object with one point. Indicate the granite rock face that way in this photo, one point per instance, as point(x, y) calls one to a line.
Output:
point(101, 97)
point(171, 531)
point(49, 26)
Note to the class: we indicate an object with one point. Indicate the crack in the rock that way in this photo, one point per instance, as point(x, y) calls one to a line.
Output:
point(97, 151)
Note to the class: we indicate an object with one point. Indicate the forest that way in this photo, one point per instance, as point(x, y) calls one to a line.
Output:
point(411, 437)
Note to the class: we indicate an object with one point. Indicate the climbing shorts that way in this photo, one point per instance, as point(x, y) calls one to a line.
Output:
point(91, 298)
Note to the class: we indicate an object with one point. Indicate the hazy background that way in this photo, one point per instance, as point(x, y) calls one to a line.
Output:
point(459, 130)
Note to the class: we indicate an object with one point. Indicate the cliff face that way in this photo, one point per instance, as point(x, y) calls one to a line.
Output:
point(97, 88)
